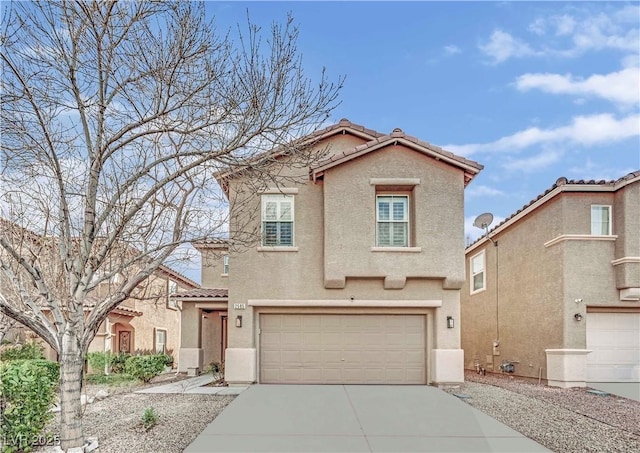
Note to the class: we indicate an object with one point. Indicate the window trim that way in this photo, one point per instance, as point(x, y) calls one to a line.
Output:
point(392, 194)
point(225, 265)
point(172, 305)
point(472, 275)
point(155, 339)
point(610, 210)
point(279, 198)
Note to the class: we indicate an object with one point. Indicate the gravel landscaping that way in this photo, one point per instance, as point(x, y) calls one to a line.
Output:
point(563, 420)
point(116, 421)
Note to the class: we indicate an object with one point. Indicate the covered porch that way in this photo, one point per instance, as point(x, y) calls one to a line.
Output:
point(203, 327)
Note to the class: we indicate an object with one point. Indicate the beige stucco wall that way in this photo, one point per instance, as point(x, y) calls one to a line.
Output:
point(626, 218)
point(334, 232)
point(528, 313)
point(212, 275)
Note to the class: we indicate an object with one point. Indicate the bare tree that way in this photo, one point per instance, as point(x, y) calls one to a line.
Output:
point(115, 116)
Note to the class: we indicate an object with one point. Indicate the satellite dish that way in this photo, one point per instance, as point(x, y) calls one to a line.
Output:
point(483, 220)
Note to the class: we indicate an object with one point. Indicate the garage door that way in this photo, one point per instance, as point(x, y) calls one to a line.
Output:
point(614, 339)
point(342, 349)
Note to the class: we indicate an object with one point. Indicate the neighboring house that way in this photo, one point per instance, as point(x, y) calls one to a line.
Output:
point(554, 291)
point(358, 271)
point(149, 320)
point(146, 322)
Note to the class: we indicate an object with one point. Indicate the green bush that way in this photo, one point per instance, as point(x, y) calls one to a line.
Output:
point(25, 351)
point(145, 367)
point(115, 362)
point(98, 360)
point(27, 392)
point(149, 418)
point(113, 380)
point(118, 362)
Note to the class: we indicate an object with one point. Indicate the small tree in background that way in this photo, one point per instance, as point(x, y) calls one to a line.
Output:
point(114, 117)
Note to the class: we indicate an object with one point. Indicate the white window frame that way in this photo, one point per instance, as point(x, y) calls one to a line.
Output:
point(172, 287)
point(279, 200)
point(597, 222)
point(472, 288)
point(155, 340)
point(225, 265)
point(406, 220)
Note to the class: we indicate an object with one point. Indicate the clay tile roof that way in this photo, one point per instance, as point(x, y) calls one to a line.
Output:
point(471, 167)
point(562, 181)
point(204, 293)
point(90, 303)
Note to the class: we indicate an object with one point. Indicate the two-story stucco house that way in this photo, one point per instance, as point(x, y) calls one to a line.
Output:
point(554, 291)
point(357, 273)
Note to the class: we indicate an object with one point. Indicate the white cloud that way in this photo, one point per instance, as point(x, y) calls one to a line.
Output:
point(482, 191)
point(575, 35)
point(532, 164)
point(584, 131)
point(591, 170)
point(502, 46)
point(622, 87)
point(565, 25)
point(452, 49)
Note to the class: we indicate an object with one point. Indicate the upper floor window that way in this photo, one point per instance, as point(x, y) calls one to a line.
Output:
point(478, 280)
point(172, 288)
point(225, 265)
point(600, 220)
point(392, 220)
point(277, 220)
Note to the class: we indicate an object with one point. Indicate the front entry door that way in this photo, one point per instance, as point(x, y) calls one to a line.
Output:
point(124, 341)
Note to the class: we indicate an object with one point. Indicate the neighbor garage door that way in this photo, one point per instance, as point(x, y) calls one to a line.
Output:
point(614, 339)
point(342, 349)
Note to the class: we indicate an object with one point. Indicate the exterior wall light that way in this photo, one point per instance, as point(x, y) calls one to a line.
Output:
point(450, 323)
point(238, 321)
point(578, 317)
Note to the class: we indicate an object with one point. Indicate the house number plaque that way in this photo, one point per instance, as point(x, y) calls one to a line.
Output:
point(239, 306)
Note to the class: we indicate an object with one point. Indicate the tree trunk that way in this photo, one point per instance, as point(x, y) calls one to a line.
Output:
point(71, 367)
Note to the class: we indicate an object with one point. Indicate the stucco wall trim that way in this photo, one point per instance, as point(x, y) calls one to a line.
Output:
point(394, 181)
point(578, 237)
point(625, 260)
point(397, 249)
point(343, 303)
point(279, 190)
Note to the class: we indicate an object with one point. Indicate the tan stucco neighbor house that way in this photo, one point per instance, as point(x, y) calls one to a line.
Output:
point(357, 272)
point(553, 292)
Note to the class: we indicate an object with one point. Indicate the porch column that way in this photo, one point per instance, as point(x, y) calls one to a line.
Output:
point(191, 353)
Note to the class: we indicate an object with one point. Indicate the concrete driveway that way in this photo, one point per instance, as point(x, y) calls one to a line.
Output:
point(355, 418)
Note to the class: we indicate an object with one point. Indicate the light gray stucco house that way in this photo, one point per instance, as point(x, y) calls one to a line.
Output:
point(554, 291)
point(357, 272)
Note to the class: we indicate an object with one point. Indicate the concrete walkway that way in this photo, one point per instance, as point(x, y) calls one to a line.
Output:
point(194, 385)
point(339, 418)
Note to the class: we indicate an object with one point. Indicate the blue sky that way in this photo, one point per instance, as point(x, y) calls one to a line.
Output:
point(531, 90)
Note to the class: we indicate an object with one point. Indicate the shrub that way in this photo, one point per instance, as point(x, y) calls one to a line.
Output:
point(113, 380)
point(27, 392)
point(118, 362)
point(98, 361)
point(145, 367)
point(149, 418)
point(25, 351)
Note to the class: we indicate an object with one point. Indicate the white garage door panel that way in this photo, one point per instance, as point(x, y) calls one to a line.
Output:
point(614, 339)
point(337, 349)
